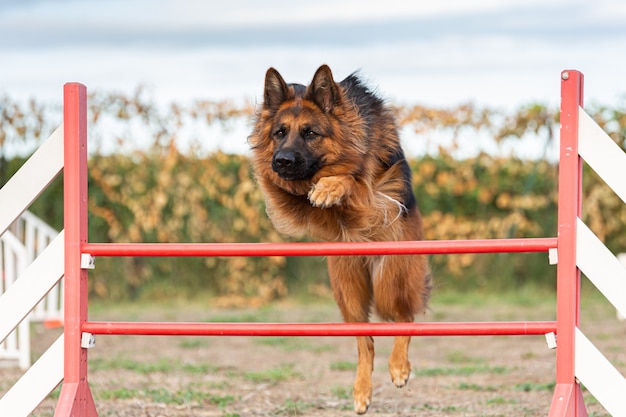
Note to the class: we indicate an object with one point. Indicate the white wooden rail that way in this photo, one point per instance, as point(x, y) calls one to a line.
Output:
point(601, 267)
point(34, 281)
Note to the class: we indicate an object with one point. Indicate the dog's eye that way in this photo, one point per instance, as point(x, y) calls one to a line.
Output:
point(280, 133)
point(310, 134)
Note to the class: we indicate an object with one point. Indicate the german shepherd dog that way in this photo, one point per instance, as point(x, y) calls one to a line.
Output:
point(329, 160)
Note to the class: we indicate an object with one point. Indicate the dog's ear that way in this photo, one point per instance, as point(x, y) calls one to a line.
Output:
point(323, 90)
point(276, 90)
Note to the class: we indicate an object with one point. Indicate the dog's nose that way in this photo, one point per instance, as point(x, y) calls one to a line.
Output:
point(289, 164)
point(284, 159)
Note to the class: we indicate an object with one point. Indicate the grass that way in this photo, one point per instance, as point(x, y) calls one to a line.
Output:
point(459, 357)
point(292, 408)
point(194, 343)
point(529, 386)
point(164, 365)
point(500, 401)
point(527, 296)
point(116, 394)
point(293, 344)
point(221, 400)
point(239, 318)
point(343, 366)
point(460, 370)
point(341, 392)
point(164, 396)
point(475, 387)
point(444, 409)
point(273, 375)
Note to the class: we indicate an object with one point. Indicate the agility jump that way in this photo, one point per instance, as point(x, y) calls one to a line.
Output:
point(575, 249)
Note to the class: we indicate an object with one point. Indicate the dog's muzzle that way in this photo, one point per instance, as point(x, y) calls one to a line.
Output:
point(289, 165)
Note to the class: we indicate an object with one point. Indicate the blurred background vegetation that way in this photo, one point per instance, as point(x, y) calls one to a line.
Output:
point(152, 178)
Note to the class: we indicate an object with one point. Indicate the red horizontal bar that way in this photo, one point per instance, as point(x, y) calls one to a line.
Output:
point(321, 248)
point(321, 329)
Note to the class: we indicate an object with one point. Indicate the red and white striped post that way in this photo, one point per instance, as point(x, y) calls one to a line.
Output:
point(75, 399)
point(568, 399)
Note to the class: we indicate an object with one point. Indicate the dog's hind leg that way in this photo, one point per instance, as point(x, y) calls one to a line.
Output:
point(399, 293)
point(399, 364)
point(349, 278)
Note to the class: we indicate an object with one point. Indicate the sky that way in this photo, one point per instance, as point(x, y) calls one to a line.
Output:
point(437, 53)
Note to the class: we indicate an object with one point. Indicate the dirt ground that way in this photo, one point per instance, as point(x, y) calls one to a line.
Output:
point(276, 376)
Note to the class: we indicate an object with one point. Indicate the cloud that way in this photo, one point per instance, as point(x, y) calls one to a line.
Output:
point(438, 52)
point(239, 23)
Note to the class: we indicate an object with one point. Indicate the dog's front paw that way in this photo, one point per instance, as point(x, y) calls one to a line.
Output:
point(329, 191)
point(362, 395)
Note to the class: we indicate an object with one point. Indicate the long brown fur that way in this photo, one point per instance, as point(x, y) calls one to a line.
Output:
point(329, 160)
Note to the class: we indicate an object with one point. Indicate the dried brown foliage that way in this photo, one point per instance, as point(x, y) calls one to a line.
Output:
point(154, 179)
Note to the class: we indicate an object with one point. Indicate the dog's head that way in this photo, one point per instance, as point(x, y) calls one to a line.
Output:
point(300, 129)
point(300, 123)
